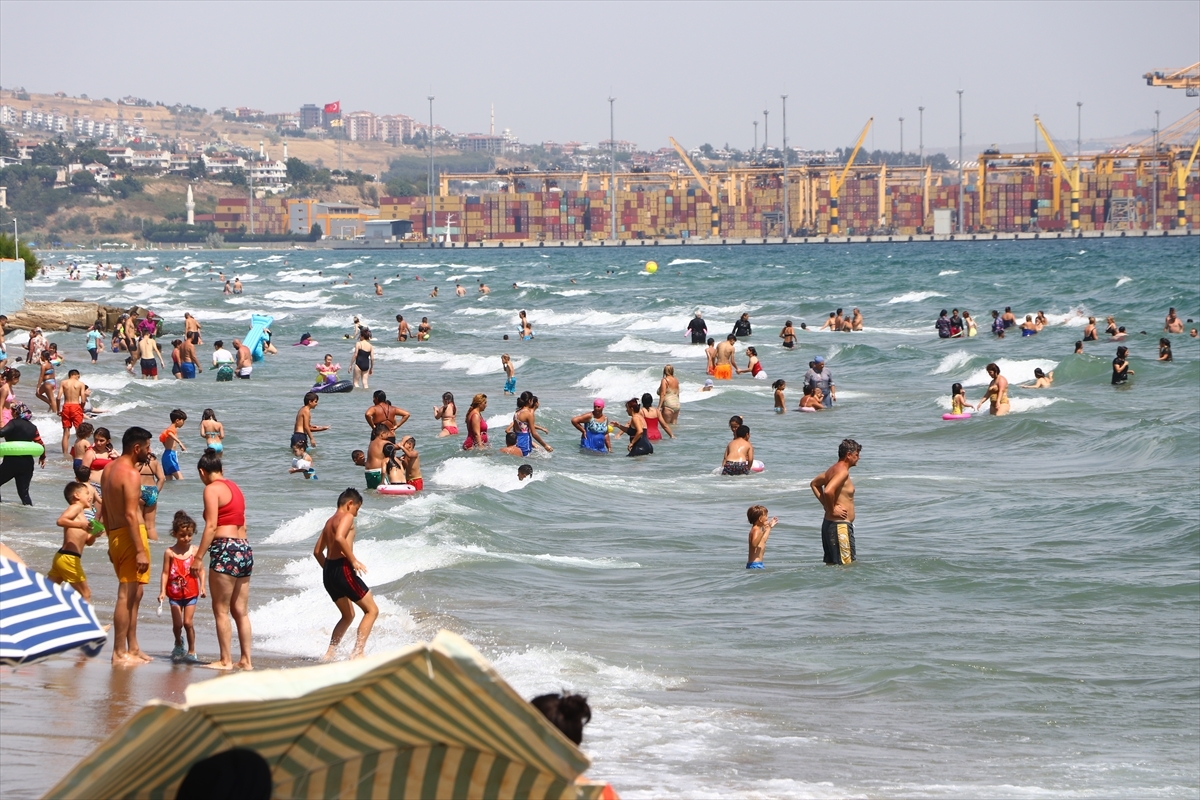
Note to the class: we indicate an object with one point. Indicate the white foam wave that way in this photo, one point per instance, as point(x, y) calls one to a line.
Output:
point(617, 385)
point(953, 361)
point(630, 344)
point(119, 408)
point(297, 529)
point(283, 296)
point(676, 262)
point(913, 297)
point(1015, 371)
point(469, 363)
point(948, 272)
point(1124, 279)
point(468, 473)
point(573, 292)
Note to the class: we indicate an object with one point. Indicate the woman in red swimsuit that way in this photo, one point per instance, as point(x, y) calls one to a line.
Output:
point(231, 560)
point(476, 424)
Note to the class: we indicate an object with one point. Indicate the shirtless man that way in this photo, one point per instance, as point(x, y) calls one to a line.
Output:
point(148, 351)
point(378, 289)
point(739, 453)
point(190, 326)
point(835, 492)
point(459, 290)
point(857, 322)
point(189, 364)
point(237, 285)
point(384, 412)
point(244, 361)
point(128, 545)
point(1172, 324)
point(70, 403)
point(723, 359)
point(381, 460)
point(1008, 318)
point(484, 288)
point(302, 431)
point(334, 551)
point(402, 329)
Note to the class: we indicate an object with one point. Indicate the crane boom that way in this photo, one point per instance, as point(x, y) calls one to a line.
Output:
point(1187, 78)
point(1071, 176)
point(709, 186)
point(836, 183)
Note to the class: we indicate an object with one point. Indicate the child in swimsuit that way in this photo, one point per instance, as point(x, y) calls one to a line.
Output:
point(301, 462)
point(760, 529)
point(510, 382)
point(447, 412)
point(181, 587)
point(780, 403)
point(958, 399)
point(78, 532)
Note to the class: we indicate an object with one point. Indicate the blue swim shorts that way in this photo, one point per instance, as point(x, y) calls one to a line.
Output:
point(755, 565)
point(170, 462)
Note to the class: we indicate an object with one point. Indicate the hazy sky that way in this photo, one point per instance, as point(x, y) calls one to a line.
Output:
point(700, 71)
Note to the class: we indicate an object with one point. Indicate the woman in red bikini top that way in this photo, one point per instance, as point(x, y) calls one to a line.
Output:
point(230, 558)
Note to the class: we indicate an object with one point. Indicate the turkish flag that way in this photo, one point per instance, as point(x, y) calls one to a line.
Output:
point(334, 107)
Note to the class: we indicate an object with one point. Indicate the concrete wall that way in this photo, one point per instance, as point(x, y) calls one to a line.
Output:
point(12, 285)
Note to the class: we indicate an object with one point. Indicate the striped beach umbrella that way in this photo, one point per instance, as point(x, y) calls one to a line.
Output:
point(431, 721)
point(39, 618)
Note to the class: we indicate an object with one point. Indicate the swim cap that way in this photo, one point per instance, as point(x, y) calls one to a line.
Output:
point(708, 382)
point(598, 402)
point(819, 359)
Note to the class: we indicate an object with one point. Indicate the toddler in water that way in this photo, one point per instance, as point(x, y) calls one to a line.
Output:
point(181, 587)
point(780, 403)
point(510, 383)
point(760, 529)
point(958, 399)
point(327, 371)
point(78, 532)
point(301, 462)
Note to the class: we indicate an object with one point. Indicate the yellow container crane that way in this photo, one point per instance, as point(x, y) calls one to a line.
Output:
point(1182, 172)
point(711, 186)
point(1072, 175)
point(837, 181)
point(1187, 78)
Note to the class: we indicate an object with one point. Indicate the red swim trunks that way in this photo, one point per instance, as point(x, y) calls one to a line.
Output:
point(418, 483)
point(72, 416)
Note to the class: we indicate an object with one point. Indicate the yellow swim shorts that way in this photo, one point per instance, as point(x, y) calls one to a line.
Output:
point(122, 552)
point(67, 567)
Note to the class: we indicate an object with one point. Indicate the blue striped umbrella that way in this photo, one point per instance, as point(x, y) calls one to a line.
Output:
point(39, 618)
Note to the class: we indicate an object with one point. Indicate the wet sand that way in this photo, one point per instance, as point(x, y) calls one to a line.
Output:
point(54, 713)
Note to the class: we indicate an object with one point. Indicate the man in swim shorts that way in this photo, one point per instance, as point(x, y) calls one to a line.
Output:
point(70, 400)
point(302, 431)
point(739, 453)
point(128, 543)
point(244, 360)
point(150, 355)
point(189, 365)
point(723, 360)
point(835, 492)
point(340, 572)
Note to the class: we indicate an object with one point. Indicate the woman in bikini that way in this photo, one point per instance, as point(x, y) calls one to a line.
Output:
point(668, 396)
point(152, 482)
point(363, 358)
point(447, 412)
point(788, 334)
point(997, 392)
point(47, 384)
point(212, 431)
point(476, 425)
point(654, 420)
point(231, 560)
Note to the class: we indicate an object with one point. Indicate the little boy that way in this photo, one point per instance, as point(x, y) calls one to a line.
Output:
point(510, 385)
point(510, 445)
point(302, 431)
point(334, 551)
point(170, 440)
point(301, 462)
point(411, 460)
point(739, 453)
point(524, 471)
point(78, 532)
point(760, 529)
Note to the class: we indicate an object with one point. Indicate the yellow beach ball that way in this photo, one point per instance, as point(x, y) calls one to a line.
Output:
point(652, 267)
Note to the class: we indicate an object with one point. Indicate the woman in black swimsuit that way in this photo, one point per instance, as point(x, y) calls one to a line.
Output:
point(363, 358)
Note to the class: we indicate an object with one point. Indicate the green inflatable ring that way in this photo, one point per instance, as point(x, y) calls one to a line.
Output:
point(21, 449)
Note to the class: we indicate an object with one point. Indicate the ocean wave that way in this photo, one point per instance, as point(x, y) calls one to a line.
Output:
point(953, 361)
point(468, 363)
point(913, 297)
point(464, 472)
point(1124, 279)
point(1015, 370)
point(948, 272)
point(630, 344)
point(573, 292)
point(678, 261)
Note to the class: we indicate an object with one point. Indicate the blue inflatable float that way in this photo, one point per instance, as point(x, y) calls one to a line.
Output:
point(257, 336)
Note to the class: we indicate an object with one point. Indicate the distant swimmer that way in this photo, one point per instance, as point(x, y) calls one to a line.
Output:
point(459, 290)
point(997, 324)
point(968, 320)
point(1041, 380)
point(1172, 324)
point(698, 328)
point(639, 444)
point(1119, 335)
point(788, 334)
point(1028, 327)
point(402, 329)
point(834, 490)
point(484, 288)
point(593, 429)
point(1089, 330)
point(654, 420)
point(447, 414)
point(1079, 347)
point(1111, 330)
point(378, 288)
point(943, 326)
point(524, 472)
point(723, 360)
point(244, 362)
point(760, 529)
point(739, 453)
point(856, 323)
point(510, 378)
point(340, 574)
point(424, 328)
point(741, 328)
point(1164, 351)
point(237, 285)
point(1008, 317)
point(780, 402)
point(1120, 366)
point(996, 394)
point(710, 353)
point(830, 323)
point(668, 395)
point(526, 326)
point(362, 360)
point(1040, 320)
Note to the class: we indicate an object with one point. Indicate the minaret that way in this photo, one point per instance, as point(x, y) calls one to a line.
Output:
point(285, 151)
point(262, 150)
point(191, 207)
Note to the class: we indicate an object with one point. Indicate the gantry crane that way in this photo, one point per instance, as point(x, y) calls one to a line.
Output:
point(1187, 78)
point(711, 186)
point(1072, 175)
point(1182, 172)
point(836, 182)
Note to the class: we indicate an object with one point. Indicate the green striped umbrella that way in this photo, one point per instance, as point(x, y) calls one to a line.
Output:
point(430, 721)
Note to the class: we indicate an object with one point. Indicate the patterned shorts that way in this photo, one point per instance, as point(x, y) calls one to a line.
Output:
point(232, 557)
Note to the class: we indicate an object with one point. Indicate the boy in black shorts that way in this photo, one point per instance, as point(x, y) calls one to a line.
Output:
point(335, 553)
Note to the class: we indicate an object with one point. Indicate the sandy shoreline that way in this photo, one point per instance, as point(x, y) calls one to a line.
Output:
point(54, 713)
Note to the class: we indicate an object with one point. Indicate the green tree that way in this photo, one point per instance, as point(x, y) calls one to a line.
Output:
point(237, 177)
point(26, 255)
point(83, 182)
point(298, 171)
point(196, 169)
point(315, 233)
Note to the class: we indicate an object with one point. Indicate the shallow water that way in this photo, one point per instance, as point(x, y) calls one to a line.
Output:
point(1024, 619)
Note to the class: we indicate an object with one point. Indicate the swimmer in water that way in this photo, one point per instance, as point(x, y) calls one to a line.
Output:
point(997, 392)
point(447, 413)
point(510, 379)
point(788, 334)
point(958, 399)
point(1079, 347)
point(593, 429)
point(1042, 380)
point(760, 529)
point(510, 445)
point(378, 288)
point(524, 471)
point(212, 431)
point(780, 402)
point(811, 400)
point(1164, 350)
point(739, 453)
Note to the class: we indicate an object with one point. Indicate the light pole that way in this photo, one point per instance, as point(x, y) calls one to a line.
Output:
point(1154, 199)
point(766, 130)
point(755, 136)
point(787, 217)
point(1079, 129)
point(902, 141)
point(432, 212)
point(960, 163)
point(921, 134)
point(612, 186)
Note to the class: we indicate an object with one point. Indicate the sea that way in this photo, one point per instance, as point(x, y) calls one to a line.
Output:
point(1023, 619)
